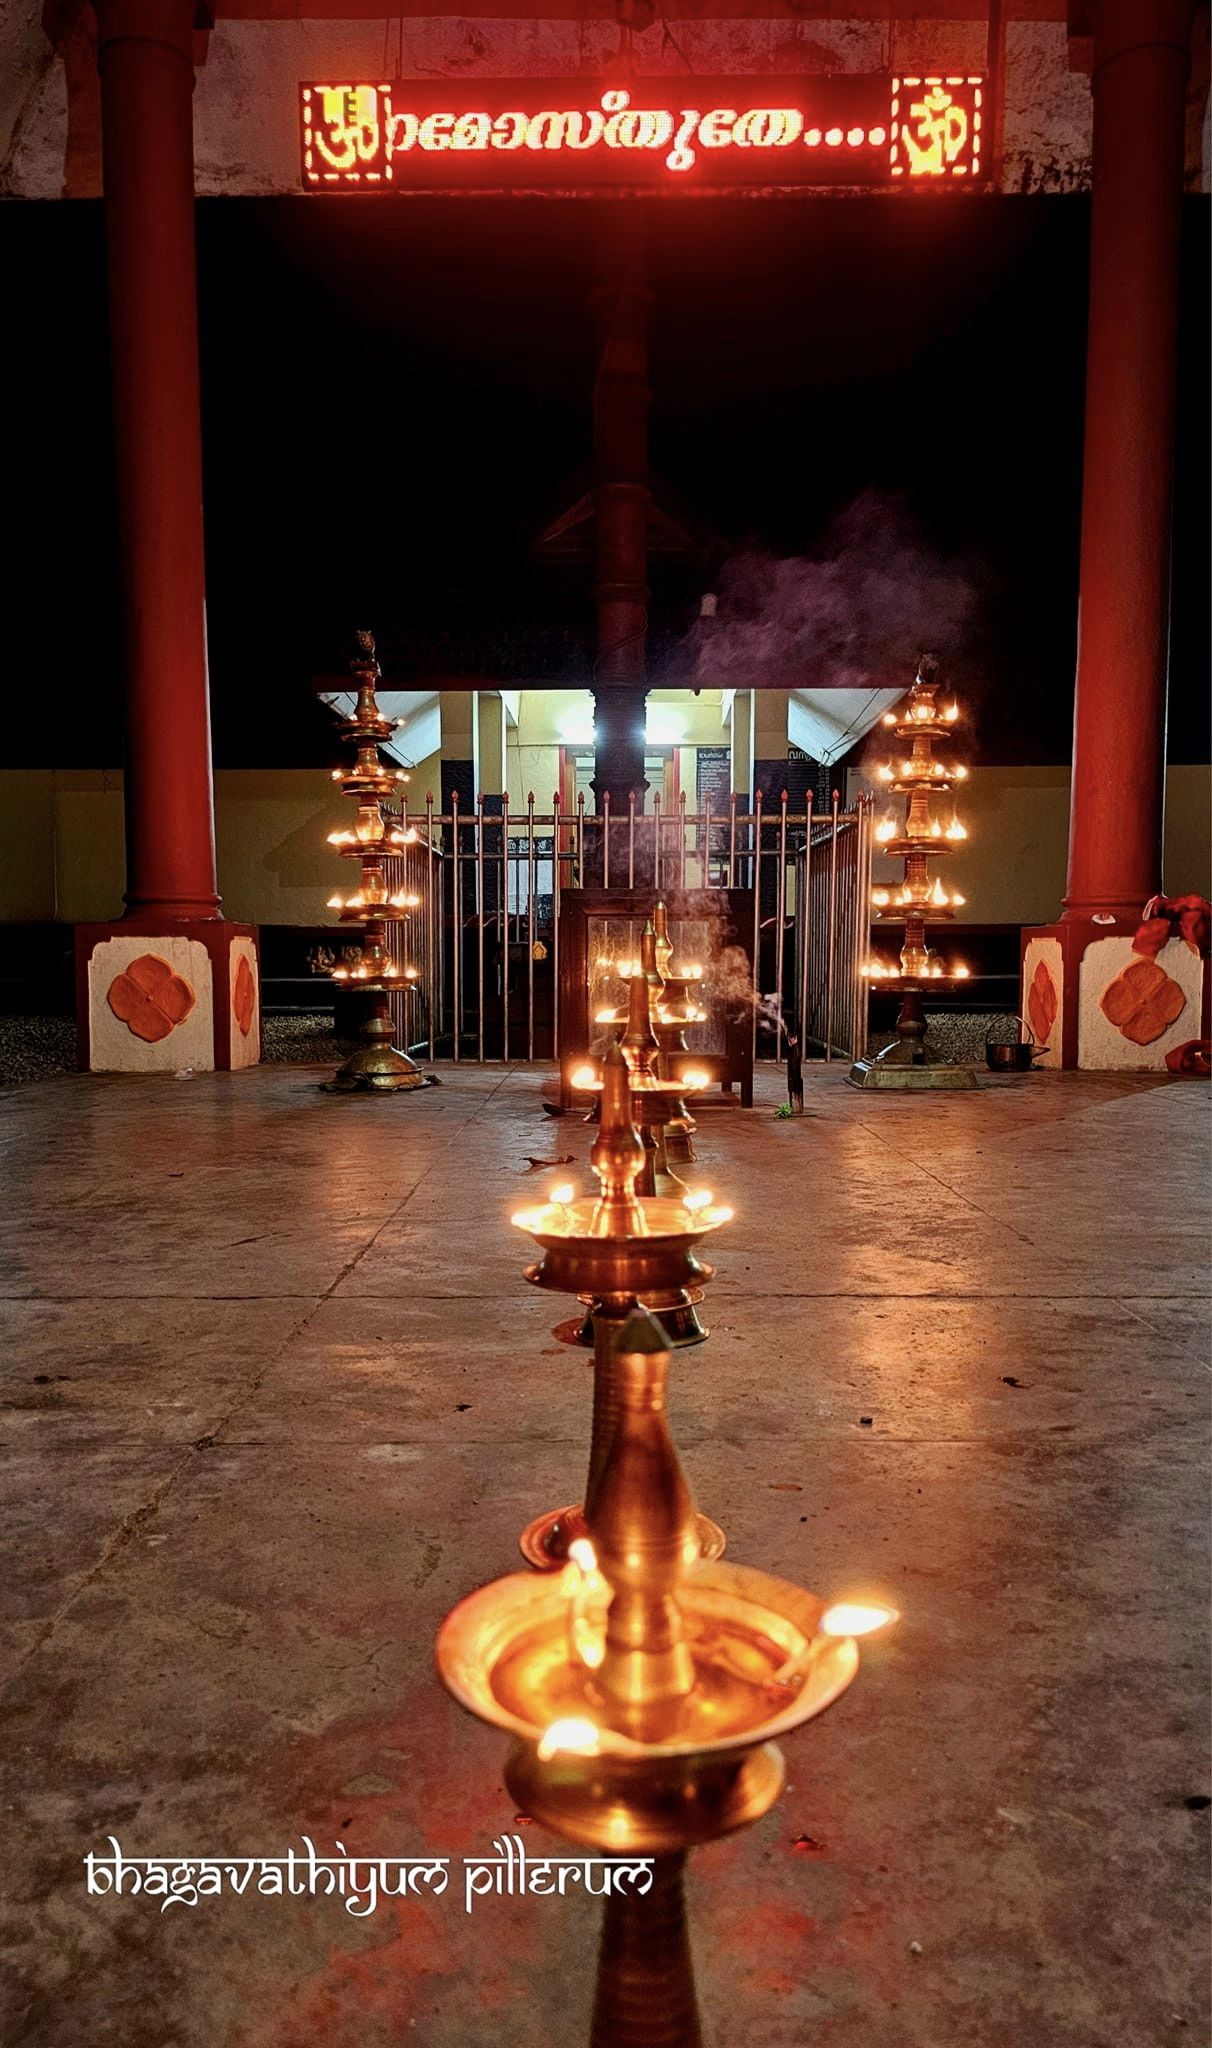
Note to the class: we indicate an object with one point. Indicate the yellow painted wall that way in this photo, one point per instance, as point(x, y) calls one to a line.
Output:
point(1011, 868)
point(61, 839)
point(27, 845)
point(770, 725)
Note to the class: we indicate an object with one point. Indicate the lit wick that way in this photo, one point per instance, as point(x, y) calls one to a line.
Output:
point(850, 1618)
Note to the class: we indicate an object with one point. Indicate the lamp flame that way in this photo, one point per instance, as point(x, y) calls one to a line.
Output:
point(850, 1618)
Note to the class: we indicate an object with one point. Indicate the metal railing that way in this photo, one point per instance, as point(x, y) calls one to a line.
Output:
point(833, 882)
point(479, 960)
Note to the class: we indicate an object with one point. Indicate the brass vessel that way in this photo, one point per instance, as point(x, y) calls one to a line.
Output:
point(616, 1250)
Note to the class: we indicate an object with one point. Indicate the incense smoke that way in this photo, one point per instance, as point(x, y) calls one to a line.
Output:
point(856, 615)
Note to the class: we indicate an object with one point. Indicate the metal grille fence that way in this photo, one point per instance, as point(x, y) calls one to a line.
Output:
point(479, 958)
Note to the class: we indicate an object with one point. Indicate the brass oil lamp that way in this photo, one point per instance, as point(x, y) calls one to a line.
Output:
point(676, 1010)
point(663, 946)
point(919, 837)
point(616, 1251)
point(650, 1101)
point(377, 1064)
point(644, 1689)
point(656, 1099)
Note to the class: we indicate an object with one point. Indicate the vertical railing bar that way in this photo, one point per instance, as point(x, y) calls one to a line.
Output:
point(631, 839)
point(863, 932)
point(804, 921)
point(580, 839)
point(732, 843)
point(606, 839)
point(429, 920)
point(555, 925)
point(845, 924)
point(852, 939)
point(457, 920)
point(656, 839)
point(503, 926)
point(780, 911)
point(682, 838)
point(757, 915)
point(479, 873)
point(831, 934)
point(530, 888)
point(705, 858)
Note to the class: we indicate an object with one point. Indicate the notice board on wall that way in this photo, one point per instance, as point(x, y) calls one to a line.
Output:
point(671, 134)
point(713, 778)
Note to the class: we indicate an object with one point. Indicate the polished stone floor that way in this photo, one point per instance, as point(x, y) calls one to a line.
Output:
point(275, 1395)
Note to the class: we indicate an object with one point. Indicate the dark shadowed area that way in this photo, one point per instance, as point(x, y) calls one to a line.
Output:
point(867, 413)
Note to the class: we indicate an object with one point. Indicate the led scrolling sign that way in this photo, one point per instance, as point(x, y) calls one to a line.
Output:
point(678, 134)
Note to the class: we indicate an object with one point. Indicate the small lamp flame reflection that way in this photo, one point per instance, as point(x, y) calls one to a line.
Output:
point(573, 1736)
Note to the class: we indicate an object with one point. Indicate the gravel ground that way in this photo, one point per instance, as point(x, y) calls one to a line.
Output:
point(35, 1048)
point(960, 1034)
point(301, 1041)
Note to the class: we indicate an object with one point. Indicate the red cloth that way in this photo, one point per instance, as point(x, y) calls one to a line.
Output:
point(1195, 1057)
point(1175, 917)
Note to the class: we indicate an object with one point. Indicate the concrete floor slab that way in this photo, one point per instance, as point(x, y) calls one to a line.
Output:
point(254, 1476)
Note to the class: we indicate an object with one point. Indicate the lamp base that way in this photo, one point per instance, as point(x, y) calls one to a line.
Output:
point(886, 1072)
point(376, 1066)
point(909, 1061)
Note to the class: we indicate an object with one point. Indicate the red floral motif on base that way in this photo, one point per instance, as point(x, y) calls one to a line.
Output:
point(244, 995)
point(150, 998)
point(1042, 1002)
point(1142, 1002)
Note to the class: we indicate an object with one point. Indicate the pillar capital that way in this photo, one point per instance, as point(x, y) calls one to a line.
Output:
point(170, 23)
point(1120, 27)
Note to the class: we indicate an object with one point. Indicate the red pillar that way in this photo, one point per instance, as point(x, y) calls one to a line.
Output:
point(172, 986)
point(145, 53)
point(1138, 82)
point(621, 503)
